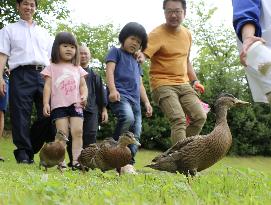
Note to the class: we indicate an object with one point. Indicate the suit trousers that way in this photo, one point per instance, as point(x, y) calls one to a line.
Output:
point(26, 88)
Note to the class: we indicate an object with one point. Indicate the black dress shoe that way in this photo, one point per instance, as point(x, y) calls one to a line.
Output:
point(23, 161)
point(31, 161)
point(2, 159)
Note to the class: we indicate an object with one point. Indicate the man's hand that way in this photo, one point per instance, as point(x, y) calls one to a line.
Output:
point(198, 87)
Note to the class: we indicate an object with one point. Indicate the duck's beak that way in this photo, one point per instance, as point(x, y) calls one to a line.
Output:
point(241, 102)
point(137, 143)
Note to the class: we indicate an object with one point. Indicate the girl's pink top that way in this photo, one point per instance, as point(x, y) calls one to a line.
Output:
point(65, 84)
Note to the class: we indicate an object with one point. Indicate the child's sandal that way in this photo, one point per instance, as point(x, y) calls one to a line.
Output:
point(77, 166)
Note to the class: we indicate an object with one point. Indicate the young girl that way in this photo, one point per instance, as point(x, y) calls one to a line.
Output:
point(66, 89)
point(123, 75)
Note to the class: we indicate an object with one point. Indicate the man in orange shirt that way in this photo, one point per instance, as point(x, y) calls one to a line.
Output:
point(171, 73)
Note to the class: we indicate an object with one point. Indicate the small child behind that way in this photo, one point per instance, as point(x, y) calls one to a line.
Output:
point(124, 80)
point(65, 91)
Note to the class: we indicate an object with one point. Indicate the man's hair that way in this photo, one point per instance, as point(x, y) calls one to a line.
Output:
point(182, 1)
point(84, 46)
point(61, 38)
point(20, 1)
point(134, 29)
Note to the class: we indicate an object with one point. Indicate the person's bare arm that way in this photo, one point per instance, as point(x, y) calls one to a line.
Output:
point(144, 98)
point(104, 115)
point(83, 91)
point(193, 78)
point(248, 37)
point(46, 96)
point(190, 72)
point(113, 93)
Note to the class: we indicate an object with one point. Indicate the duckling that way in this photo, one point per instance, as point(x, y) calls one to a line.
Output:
point(199, 152)
point(53, 153)
point(109, 154)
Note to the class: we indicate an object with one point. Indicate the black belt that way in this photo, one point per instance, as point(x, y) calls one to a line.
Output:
point(35, 67)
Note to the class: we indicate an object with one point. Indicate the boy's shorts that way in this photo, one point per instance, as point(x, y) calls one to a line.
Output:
point(64, 112)
point(4, 99)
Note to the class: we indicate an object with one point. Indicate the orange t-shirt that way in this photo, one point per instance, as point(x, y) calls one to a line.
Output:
point(168, 51)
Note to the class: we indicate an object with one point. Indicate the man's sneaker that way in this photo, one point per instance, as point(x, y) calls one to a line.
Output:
point(128, 169)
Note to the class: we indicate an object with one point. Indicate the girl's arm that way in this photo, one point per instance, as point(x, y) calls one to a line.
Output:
point(46, 96)
point(145, 99)
point(113, 93)
point(83, 91)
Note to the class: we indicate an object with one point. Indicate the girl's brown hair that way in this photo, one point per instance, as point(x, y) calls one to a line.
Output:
point(68, 38)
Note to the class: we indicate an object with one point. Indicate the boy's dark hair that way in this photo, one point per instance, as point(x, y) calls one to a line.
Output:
point(20, 1)
point(68, 38)
point(134, 29)
point(182, 1)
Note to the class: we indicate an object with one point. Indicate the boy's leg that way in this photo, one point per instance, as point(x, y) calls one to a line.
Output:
point(136, 129)
point(125, 116)
point(126, 121)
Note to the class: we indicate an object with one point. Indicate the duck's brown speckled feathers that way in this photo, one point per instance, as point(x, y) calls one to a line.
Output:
point(199, 152)
point(108, 154)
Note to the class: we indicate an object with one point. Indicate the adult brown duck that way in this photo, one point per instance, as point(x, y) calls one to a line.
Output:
point(199, 152)
point(109, 154)
point(53, 153)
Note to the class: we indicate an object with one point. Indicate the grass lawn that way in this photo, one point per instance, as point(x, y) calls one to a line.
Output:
point(233, 180)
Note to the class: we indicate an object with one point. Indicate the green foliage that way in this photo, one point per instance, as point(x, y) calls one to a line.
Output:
point(231, 181)
point(216, 63)
point(98, 38)
point(156, 130)
point(48, 12)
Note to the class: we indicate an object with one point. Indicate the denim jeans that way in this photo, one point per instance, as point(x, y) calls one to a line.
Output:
point(128, 116)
